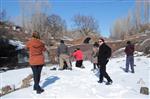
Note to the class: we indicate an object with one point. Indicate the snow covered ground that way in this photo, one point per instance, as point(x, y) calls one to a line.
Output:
point(82, 83)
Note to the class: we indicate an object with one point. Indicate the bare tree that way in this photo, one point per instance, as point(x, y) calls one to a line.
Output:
point(116, 30)
point(34, 17)
point(133, 23)
point(85, 24)
point(56, 26)
point(32, 14)
point(137, 17)
point(146, 11)
point(141, 13)
point(127, 24)
point(121, 27)
point(3, 16)
point(141, 16)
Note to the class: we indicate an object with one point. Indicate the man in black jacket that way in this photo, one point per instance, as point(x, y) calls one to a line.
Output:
point(103, 57)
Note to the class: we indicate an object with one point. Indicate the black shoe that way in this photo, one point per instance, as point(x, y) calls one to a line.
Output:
point(132, 72)
point(60, 69)
point(40, 91)
point(53, 68)
point(100, 81)
point(109, 82)
point(69, 68)
point(82, 66)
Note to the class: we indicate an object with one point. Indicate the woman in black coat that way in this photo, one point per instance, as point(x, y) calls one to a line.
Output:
point(103, 57)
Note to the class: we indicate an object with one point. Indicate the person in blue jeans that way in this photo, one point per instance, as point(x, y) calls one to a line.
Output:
point(129, 50)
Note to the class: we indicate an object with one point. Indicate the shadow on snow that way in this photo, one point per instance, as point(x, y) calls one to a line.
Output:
point(49, 81)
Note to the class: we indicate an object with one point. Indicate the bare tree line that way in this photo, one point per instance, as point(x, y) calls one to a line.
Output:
point(35, 18)
point(136, 21)
point(85, 24)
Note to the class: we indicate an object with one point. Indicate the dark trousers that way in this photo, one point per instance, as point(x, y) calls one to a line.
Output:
point(79, 63)
point(36, 76)
point(103, 72)
point(95, 65)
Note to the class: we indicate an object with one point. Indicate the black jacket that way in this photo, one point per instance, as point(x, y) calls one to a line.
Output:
point(104, 53)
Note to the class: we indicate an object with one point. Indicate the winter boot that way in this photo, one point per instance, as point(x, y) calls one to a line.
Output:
point(100, 81)
point(53, 68)
point(40, 91)
point(109, 82)
point(69, 68)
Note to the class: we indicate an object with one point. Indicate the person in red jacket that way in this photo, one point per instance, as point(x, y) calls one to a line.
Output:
point(36, 59)
point(78, 55)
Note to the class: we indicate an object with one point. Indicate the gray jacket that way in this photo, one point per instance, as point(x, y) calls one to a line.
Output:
point(62, 49)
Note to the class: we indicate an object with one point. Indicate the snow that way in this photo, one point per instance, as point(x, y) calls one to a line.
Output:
point(67, 38)
point(14, 77)
point(19, 44)
point(82, 83)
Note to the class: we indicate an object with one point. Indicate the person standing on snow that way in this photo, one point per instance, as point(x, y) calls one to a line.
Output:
point(78, 55)
point(94, 55)
point(63, 54)
point(36, 59)
point(129, 50)
point(103, 57)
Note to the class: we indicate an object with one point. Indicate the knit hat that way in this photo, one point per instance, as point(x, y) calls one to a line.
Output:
point(128, 42)
point(102, 39)
point(61, 41)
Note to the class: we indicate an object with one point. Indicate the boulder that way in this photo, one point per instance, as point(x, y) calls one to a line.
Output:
point(144, 90)
point(26, 81)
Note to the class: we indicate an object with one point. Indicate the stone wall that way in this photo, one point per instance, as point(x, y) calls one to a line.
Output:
point(87, 48)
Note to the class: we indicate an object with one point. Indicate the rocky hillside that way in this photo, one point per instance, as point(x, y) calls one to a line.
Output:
point(12, 32)
point(141, 42)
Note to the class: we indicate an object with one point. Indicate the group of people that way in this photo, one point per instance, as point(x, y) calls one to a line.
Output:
point(64, 57)
point(100, 57)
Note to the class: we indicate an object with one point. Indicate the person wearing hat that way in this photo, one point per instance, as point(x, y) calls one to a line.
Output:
point(129, 50)
point(104, 54)
point(36, 59)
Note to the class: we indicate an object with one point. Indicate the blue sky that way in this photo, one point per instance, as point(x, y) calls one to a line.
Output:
point(104, 11)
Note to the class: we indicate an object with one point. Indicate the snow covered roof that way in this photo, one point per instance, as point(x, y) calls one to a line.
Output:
point(19, 44)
